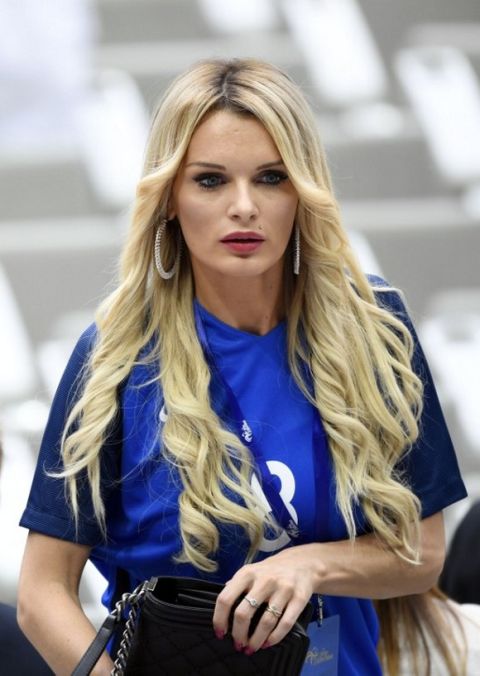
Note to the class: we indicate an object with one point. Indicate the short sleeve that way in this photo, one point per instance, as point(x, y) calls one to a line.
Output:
point(47, 510)
point(431, 466)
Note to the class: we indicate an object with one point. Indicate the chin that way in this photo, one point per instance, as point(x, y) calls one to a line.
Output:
point(245, 271)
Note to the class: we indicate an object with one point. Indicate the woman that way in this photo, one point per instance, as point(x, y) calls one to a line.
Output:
point(429, 635)
point(246, 388)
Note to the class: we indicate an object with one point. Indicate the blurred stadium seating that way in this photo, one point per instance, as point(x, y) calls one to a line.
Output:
point(61, 222)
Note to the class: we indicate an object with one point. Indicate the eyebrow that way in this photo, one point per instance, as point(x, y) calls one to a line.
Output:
point(212, 165)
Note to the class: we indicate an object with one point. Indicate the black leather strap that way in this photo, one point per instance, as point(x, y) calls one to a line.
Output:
point(104, 634)
point(97, 646)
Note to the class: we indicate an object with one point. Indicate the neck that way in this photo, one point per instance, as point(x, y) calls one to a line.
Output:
point(255, 304)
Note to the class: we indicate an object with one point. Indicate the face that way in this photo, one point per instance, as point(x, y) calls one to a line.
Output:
point(233, 199)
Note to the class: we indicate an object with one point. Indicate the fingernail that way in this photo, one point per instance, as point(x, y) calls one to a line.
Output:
point(249, 651)
point(219, 634)
point(266, 645)
point(238, 646)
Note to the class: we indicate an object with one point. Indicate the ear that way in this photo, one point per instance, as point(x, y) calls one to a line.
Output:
point(171, 210)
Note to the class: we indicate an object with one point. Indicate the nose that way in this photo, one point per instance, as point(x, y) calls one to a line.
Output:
point(243, 205)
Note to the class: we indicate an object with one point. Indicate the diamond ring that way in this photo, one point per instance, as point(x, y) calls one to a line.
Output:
point(252, 602)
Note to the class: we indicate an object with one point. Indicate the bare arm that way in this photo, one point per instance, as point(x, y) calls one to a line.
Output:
point(49, 610)
point(363, 568)
point(366, 569)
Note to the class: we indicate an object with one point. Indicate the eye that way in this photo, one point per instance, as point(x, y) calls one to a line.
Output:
point(272, 177)
point(209, 181)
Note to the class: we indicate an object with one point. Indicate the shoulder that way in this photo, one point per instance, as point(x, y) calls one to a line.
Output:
point(77, 371)
point(84, 346)
point(88, 338)
point(77, 365)
point(387, 296)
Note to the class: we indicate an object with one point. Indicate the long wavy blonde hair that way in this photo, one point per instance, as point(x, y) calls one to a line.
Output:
point(358, 354)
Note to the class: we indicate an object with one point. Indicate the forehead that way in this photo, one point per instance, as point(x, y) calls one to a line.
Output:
point(226, 133)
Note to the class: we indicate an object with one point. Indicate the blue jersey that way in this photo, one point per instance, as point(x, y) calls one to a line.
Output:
point(142, 515)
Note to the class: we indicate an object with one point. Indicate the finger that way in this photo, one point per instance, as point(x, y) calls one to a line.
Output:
point(224, 604)
point(242, 617)
point(285, 623)
point(267, 623)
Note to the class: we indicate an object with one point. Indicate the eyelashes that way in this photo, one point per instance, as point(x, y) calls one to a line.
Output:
point(273, 177)
point(211, 180)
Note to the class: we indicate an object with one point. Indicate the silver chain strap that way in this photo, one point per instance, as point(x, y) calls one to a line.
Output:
point(134, 600)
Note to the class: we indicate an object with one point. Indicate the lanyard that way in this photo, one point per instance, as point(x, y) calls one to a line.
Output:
point(242, 428)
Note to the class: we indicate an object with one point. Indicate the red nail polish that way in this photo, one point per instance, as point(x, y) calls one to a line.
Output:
point(249, 651)
point(219, 634)
point(266, 645)
point(238, 646)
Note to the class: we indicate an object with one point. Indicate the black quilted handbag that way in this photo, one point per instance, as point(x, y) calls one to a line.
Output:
point(169, 632)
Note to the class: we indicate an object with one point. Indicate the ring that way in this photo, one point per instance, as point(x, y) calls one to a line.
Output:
point(252, 602)
point(274, 610)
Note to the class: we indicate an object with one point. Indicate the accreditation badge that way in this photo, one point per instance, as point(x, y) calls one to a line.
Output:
point(322, 655)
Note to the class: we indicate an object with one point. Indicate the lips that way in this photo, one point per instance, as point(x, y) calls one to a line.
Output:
point(242, 243)
point(243, 237)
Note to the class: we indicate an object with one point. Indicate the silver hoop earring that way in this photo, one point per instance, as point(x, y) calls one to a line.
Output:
point(164, 274)
point(296, 250)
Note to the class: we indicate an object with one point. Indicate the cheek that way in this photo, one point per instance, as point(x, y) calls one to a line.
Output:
point(185, 207)
point(285, 215)
point(192, 216)
point(195, 208)
point(196, 221)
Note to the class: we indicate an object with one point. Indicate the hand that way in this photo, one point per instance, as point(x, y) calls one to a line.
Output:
point(284, 581)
